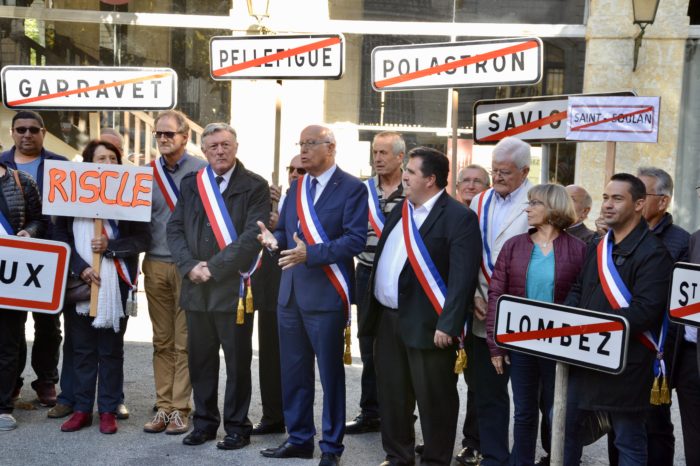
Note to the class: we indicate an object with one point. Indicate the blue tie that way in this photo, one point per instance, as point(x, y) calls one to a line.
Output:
point(312, 190)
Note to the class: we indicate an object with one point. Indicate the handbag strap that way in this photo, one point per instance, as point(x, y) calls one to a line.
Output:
point(15, 173)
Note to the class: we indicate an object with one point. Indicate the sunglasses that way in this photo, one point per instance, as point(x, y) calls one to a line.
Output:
point(24, 129)
point(167, 134)
point(301, 171)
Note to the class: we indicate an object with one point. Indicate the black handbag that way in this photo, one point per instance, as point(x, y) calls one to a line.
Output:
point(77, 290)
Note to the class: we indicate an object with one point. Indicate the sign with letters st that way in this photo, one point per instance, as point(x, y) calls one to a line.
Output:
point(92, 190)
point(613, 119)
point(309, 56)
point(684, 304)
point(482, 63)
point(88, 88)
point(533, 119)
point(575, 336)
point(32, 274)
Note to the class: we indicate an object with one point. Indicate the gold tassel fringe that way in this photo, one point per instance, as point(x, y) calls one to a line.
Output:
point(665, 394)
point(249, 306)
point(655, 398)
point(240, 313)
point(461, 362)
point(347, 356)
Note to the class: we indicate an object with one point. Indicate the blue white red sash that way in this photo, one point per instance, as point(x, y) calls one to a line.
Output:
point(111, 230)
point(482, 213)
point(314, 234)
point(376, 216)
point(165, 183)
point(215, 208)
point(5, 227)
point(421, 262)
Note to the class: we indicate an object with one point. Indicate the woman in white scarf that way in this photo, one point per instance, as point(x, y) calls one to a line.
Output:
point(96, 344)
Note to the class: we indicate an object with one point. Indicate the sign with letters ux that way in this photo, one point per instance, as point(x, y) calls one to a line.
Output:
point(88, 88)
point(684, 304)
point(32, 274)
point(576, 336)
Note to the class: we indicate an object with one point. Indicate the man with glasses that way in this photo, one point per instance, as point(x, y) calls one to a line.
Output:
point(471, 180)
point(162, 280)
point(501, 216)
point(28, 155)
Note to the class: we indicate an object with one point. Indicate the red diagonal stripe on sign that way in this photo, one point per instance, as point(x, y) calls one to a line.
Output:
point(686, 311)
point(456, 64)
point(526, 127)
point(277, 56)
point(30, 100)
point(560, 332)
point(587, 125)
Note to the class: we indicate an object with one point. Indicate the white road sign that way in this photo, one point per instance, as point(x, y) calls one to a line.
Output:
point(613, 119)
point(311, 56)
point(576, 336)
point(495, 62)
point(684, 304)
point(32, 274)
point(88, 88)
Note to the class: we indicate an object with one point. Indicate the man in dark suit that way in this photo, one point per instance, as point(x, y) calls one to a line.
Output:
point(318, 242)
point(212, 236)
point(417, 325)
point(582, 204)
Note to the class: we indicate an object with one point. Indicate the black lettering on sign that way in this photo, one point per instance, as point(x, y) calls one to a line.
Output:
point(223, 57)
point(694, 286)
point(13, 274)
point(583, 339)
point(508, 329)
point(61, 85)
point(25, 88)
point(33, 278)
point(43, 88)
point(81, 85)
point(493, 119)
point(267, 52)
point(601, 350)
point(525, 324)
point(138, 92)
point(155, 85)
point(541, 326)
point(519, 60)
point(566, 339)
point(510, 121)
point(453, 70)
point(388, 67)
point(404, 66)
point(102, 91)
point(313, 57)
point(555, 124)
point(684, 300)
point(327, 57)
point(481, 65)
point(499, 67)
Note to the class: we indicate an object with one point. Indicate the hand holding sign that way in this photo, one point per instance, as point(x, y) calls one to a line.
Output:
point(292, 257)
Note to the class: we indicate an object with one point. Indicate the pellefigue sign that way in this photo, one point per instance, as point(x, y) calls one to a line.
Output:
point(32, 274)
point(480, 63)
point(613, 119)
point(576, 336)
point(88, 88)
point(311, 56)
point(684, 303)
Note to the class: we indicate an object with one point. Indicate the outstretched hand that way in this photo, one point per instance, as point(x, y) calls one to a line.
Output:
point(292, 257)
point(266, 238)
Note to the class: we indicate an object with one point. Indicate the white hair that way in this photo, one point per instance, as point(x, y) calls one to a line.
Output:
point(514, 150)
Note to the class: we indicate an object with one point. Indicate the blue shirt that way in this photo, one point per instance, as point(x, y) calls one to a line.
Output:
point(32, 167)
point(539, 283)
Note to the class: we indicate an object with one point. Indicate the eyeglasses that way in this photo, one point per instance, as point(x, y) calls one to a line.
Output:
point(534, 203)
point(24, 129)
point(503, 173)
point(301, 171)
point(471, 181)
point(167, 134)
point(658, 195)
point(311, 143)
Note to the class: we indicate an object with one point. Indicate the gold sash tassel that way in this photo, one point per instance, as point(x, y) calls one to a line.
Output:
point(249, 306)
point(665, 394)
point(347, 356)
point(461, 361)
point(655, 398)
point(240, 313)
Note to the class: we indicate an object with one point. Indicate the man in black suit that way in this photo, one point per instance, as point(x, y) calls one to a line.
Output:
point(417, 327)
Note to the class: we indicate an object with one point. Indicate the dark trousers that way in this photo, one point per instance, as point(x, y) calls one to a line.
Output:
point(408, 375)
point(470, 429)
point(661, 443)
point(45, 349)
point(303, 335)
point(269, 373)
point(369, 404)
point(206, 333)
point(11, 339)
point(98, 361)
point(492, 404)
point(688, 393)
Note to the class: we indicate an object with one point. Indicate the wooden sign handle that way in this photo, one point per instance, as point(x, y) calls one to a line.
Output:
point(96, 262)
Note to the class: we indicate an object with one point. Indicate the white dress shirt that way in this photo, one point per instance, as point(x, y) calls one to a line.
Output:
point(501, 210)
point(227, 177)
point(394, 256)
point(323, 180)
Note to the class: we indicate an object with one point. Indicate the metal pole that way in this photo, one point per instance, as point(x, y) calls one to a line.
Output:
point(544, 163)
point(561, 384)
point(455, 108)
point(278, 138)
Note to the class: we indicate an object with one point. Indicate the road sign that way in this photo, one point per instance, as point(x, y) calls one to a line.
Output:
point(684, 303)
point(88, 88)
point(534, 119)
point(576, 336)
point(495, 62)
point(93, 190)
point(32, 274)
point(613, 119)
point(310, 56)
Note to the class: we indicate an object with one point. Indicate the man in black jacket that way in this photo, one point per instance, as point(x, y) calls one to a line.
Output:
point(643, 266)
point(212, 235)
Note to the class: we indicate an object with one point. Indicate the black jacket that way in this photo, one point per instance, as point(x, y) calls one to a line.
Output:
point(21, 206)
point(191, 239)
point(645, 267)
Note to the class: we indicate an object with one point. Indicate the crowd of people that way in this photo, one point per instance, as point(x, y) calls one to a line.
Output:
point(424, 269)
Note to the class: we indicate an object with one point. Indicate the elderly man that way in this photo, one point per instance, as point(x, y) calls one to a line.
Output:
point(471, 180)
point(320, 230)
point(582, 204)
point(213, 237)
point(501, 216)
point(385, 191)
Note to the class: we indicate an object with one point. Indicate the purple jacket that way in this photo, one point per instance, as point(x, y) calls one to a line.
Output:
point(510, 274)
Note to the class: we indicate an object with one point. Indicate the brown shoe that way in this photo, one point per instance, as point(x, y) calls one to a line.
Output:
point(60, 410)
point(178, 424)
point(46, 393)
point(158, 424)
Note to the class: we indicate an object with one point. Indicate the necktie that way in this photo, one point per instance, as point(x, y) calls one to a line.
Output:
point(219, 179)
point(312, 191)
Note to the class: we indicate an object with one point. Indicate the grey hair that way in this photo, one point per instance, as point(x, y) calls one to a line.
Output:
point(398, 144)
point(513, 150)
point(114, 133)
point(212, 128)
point(664, 182)
point(474, 166)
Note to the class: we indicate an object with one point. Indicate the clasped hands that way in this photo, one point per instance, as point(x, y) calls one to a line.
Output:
point(289, 257)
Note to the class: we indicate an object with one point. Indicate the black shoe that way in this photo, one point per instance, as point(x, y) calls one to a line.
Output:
point(419, 449)
point(233, 442)
point(362, 424)
point(329, 459)
point(544, 461)
point(198, 437)
point(122, 411)
point(262, 429)
point(468, 456)
point(288, 450)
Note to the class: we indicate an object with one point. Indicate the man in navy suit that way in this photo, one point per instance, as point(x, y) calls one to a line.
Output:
point(323, 224)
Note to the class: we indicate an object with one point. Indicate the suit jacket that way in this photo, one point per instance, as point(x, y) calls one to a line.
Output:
point(342, 211)
point(451, 235)
point(582, 232)
point(514, 224)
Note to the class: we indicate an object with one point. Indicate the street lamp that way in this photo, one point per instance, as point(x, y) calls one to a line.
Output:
point(259, 9)
point(644, 15)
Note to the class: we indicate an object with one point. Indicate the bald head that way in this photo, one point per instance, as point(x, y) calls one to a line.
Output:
point(317, 144)
point(582, 201)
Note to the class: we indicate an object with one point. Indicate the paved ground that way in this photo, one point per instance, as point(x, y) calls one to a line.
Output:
point(39, 441)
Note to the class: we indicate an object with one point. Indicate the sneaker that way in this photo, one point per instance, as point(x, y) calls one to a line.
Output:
point(177, 424)
point(108, 423)
point(7, 422)
point(59, 411)
point(77, 421)
point(157, 424)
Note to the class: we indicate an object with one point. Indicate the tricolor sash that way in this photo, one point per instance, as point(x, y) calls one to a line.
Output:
point(5, 227)
point(110, 228)
point(165, 183)
point(482, 213)
point(215, 208)
point(376, 216)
